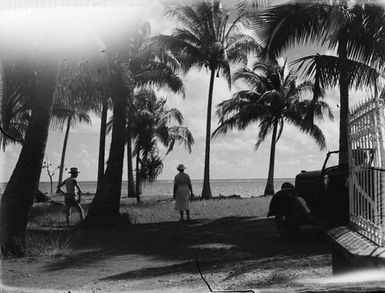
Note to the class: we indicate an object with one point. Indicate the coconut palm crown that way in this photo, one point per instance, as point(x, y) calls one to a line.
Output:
point(153, 122)
point(204, 37)
point(272, 99)
point(354, 32)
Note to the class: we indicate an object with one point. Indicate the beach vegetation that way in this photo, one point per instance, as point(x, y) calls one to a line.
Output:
point(354, 33)
point(153, 122)
point(18, 84)
point(155, 210)
point(205, 37)
point(18, 196)
point(74, 100)
point(139, 65)
point(272, 98)
point(160, 71)
point(47, 166)
point(130, 65)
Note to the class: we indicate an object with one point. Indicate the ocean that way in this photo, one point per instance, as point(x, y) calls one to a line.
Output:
point(163, 188)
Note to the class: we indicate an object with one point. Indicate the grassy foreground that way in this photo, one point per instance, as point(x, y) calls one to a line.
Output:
point(154, 210)
point(50, 216)
point(236, 246)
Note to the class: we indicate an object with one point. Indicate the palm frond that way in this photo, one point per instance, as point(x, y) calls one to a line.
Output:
point(273, 98)
point(264, 128)
point(159, 78)
point(294, 24)
point(239, 46)
point(328, 70)
point(181, 135)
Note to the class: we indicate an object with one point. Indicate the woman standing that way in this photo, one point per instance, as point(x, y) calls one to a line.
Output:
point(182, 191)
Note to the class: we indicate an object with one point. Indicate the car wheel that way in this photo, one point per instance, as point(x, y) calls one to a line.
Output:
point(287, 223)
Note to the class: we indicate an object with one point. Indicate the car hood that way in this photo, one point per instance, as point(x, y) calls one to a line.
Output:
point(308, 175)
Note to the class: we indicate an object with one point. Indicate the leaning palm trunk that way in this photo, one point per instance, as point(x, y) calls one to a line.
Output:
point(105, 205)
point(269, 189)
point(206, 191)
point(17, 198)
point(102, 144)
point(63, 154)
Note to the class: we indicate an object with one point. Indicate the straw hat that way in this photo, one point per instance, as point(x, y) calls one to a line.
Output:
point(181, 167)
point(74, 170)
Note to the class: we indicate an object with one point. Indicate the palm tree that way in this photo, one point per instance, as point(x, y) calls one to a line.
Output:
point(126, 71)
point(153, 123)
point(205, 38)
point(17, 198)
point(160, 66)
point(106, 104)
point(273, 98)
point(355, 33)
point(93, 84)
point(74, 99)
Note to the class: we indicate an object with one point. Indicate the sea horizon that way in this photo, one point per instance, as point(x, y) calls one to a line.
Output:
point(217, 179)
point(244, 187)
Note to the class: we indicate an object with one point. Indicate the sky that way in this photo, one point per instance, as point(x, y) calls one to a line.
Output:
point(233, 156)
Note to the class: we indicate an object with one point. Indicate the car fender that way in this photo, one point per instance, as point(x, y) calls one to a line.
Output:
point(286, 198)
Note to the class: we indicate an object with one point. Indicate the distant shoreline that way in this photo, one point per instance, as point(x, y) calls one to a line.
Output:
point(194, 180)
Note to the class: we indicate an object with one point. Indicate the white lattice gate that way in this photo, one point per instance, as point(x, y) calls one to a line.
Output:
point(367, 170)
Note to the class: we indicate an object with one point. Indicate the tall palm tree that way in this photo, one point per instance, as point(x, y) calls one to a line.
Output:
point(124, 76)
point(204, 37)
point(272, 99)
point(158, 71)
point(93, 85)
point(153, 123)
point(74, 99)
point(354, 32)
point(17, 198)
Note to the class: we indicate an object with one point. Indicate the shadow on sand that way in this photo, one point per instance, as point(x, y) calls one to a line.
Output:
point(235, 244)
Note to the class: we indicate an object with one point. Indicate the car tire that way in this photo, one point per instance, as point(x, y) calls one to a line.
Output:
point(287, 223)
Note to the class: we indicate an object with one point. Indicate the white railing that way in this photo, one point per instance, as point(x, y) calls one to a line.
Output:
point(367, 170)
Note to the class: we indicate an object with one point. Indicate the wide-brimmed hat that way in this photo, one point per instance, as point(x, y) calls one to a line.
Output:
point(74, 170)
point(181, 167)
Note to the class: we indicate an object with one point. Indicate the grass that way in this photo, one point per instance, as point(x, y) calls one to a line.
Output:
point(54, 240)
point(51, 243)
point(200, 209)
point(155, 211)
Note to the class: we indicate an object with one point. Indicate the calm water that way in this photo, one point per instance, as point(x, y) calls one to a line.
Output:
point(226, 187)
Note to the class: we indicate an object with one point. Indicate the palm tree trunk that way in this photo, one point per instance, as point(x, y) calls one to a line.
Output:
point(17, 198)
point(206, 191)
point(130, 177)
point(102, 144)
point(137, 181)
point(344, 106)
point(104, 208)
point(269, 189)
point(63, 153)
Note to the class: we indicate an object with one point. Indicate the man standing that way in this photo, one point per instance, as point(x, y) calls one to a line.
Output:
point(70, 196)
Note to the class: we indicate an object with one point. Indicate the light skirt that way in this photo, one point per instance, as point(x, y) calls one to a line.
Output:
point(182, 198)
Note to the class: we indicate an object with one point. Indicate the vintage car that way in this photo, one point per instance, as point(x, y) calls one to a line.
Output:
point(318, 198)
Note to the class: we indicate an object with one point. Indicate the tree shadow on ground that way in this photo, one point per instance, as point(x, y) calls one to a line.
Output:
point(236, 244)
